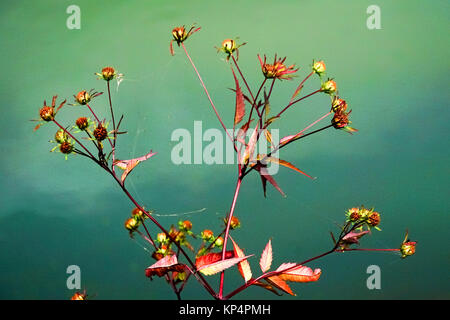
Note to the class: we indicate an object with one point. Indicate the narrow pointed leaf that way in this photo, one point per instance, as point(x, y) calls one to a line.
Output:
point(129, 165)
point(171, 48)
point(220, 266)
point(287, 165)
point(266, 257)
point(243, 266)
point(272, 181)
point(279, 283)
point(240, 104)
point(251, 145)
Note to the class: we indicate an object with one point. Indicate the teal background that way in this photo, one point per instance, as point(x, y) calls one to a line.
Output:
point(56, 213)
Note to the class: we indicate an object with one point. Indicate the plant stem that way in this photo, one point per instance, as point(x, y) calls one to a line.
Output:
point(207, 94)
point(243, 78)
point(294, 102)
point(114, 128)
point(227, 230)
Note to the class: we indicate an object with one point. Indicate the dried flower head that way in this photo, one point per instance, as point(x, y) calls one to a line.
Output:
point(79, 296)
point(340, 121)
point(48, 113)
point(373, 218)
point(277, 70)
point(408, 248)
point(138, 214)
point(108, 73)
point(353, 214)
point(84, 97)
point(82, 123)
point(100, 133)
point(338, 105)
point(162, 237)
point(66, 147)
point(180, 34)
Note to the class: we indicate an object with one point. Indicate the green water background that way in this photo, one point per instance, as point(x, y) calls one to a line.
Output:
point(56, 213)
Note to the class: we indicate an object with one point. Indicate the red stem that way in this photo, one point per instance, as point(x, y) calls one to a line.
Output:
point(298, 100)
point(227, 230)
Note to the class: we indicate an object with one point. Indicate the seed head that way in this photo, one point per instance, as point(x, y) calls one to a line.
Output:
point(83, 97)
point(100, 133)
point(47, 113)
point(82, 123)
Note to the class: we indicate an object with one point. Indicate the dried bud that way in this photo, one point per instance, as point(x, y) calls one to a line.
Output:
point(329, 86)
point(338, 105)
point(364, 213)
point(82, 123)
point(277, 70)
point(79, 296)
point(207, 234)
point(100, 133)
point(228, 46)
point(319, 67)
point(83, 97)
point(408, 248)
point(131, 224)
point(108, 73)
point(340, 120)
point(47, 113)
point(353, 214)
point(373, 218)
point(218, 242)
point(61, 136)
point(66, 147)
point(235, 223)
point(179, 34)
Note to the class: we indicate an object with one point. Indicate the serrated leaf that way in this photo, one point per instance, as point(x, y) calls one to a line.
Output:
point(266, 257)
point(211, 258)
point(243, 266)
point(279, 283)
point(239, 112)
point(299, 273)
point(129, 165)
point(216, 267)
point(163, 266)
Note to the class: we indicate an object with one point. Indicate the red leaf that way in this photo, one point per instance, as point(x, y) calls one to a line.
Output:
point(163, 266)
point(279, 283)
point(171, 48)
point(266, 257)
point(263, 172)
point(299, 273)
point(243, 266)
point(267, 287)
point(220, 266)
point(211, 258)
point(287, 165)
point(129, 165)
point(240, 104)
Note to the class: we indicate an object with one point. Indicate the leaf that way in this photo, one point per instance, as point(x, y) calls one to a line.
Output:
point(265, 175)
point(221, 265)
point(129, 165)
point(171, 48)
point(270, 120)
point(163, 266)
point(299, 273)
point(268, 137)
point(251, 145)
point(211, 258)
point(287, 165)
point(279, 283)
point(266, 257)
point(240, 104)
point(267, 287)
point(244, 266)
